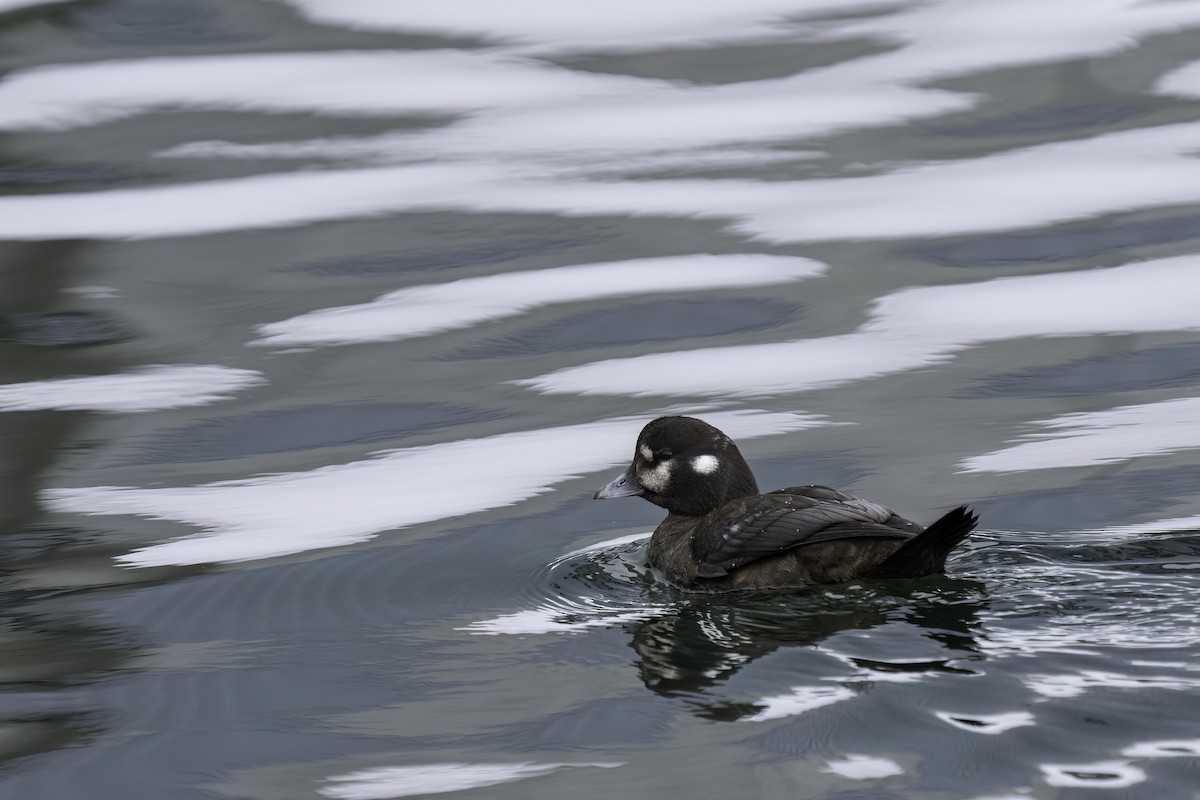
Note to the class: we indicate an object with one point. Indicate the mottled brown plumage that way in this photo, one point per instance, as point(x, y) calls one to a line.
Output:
point(721, 534)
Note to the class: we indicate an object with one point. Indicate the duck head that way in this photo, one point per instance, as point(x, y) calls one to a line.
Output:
point(684, 465)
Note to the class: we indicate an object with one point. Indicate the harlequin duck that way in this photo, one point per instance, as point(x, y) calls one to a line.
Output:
point(721, 534)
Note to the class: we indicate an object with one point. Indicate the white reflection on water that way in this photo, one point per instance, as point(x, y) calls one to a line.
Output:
point(1169, 748)
point(228, 205)
point(617, 24)
point(861, 673)
point(370, 83)
point(1099, 775)
point(936, 38)
point(12, 5)
point(346, 503)
point(563, 615)
point(1161, 526)
point(949, 37)
point(1184, 81)
point(1069, 636)
point(1021, 189)
point(1073, 685)
point(862, 768)
point(386, 782)
point(526, 132)
point(1026, 188)
point(431, 308)
point(799, 700)
point(146, 389)
point(990, 724)
point(913, 328)
point(599, 133)
point(1100, 437)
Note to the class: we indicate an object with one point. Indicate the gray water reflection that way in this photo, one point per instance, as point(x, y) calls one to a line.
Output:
point(305, 380)
point(1170, 367)
point(1064, 244)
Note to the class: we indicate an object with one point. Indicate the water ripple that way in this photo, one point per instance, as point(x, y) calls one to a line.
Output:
point(1099, 437)
point(909, 329)
point(341, 504)
point(433, 308)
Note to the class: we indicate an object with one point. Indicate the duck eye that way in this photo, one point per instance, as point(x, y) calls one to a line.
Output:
point(666, 452)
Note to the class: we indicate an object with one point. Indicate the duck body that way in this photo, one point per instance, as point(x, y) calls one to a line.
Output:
point(722, 534)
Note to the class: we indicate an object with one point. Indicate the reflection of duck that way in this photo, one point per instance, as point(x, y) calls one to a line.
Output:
point(720, 533)
point(698, 644)
point(695, 649)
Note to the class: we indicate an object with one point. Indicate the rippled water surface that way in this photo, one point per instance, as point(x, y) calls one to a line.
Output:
point(320, 320)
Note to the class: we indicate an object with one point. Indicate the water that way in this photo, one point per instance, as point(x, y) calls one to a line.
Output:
point(320, 322)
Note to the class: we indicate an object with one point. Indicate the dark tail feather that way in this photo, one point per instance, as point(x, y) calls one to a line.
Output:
point(925, 553)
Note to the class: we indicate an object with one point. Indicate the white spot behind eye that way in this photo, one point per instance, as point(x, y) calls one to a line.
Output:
point(705, 464)
point(647, 453)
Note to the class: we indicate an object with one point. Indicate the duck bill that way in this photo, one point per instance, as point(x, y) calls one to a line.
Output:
point(625, 485)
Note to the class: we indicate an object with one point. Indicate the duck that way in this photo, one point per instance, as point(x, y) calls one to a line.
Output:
point(722, 534)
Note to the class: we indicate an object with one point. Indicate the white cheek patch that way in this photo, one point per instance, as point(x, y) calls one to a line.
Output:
point(705, 465)
point(647, 453)
point(657, 479)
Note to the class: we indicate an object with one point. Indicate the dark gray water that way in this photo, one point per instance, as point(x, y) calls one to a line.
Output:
point(321, 320)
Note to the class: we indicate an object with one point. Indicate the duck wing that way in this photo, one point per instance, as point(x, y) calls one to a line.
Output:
point(820, 493)
point(751, 528)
